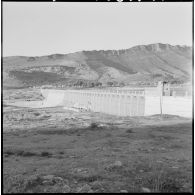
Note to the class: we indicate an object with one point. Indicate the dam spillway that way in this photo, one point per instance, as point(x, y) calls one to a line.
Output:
point(129, 102)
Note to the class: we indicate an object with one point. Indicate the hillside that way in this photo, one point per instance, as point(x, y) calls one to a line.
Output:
point(139, 64)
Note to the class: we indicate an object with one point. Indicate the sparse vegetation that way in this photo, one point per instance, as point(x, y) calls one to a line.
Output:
point(94, 126)
point(22, 153)
point(129, 131)
point(93, 162)
point(55, 150)
point(46, 154)
point(95, 67)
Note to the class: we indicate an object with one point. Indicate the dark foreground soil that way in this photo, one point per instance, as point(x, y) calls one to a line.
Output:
point(145, 154)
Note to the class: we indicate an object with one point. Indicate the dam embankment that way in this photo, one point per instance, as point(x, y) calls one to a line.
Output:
point(131, 102)
point(126, 103)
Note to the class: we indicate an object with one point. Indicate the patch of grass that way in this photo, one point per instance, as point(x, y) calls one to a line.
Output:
point(36, 114)
point(168, 184)
point(161, 182)
point(61, 152)
point(36, 77)
point(19, 153)
point(52, 132)
point(88, 179)
point(114, 169)
point(9, 152)
point(99, 147)
point(26, 154)
point(130, 131)
point(23, 153)
point(31, 183)
point(176, 146)
point(19, 184)
point(160, 137)
point(46, 154)
point(93, 126)
point(71, 131)
point(157, 177)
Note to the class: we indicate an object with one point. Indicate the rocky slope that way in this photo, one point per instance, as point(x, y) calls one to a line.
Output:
point(144, 63)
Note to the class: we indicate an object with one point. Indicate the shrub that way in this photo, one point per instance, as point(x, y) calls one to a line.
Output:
point(46, 154)
point(94, 126)
point(129, 131)
point(26, 154)
point(9, 152)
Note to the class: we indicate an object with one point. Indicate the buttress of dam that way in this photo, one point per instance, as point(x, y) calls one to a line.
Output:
point(119, 102)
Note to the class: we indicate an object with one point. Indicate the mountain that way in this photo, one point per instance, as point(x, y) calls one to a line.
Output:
point(143, 63)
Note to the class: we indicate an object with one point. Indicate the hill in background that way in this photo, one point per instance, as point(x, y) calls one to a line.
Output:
point(144, 64)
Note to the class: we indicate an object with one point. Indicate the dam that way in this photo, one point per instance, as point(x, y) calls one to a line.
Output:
point(113, 101)
point(120, 102)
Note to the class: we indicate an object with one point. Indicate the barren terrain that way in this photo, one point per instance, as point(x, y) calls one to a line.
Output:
point(55, 150)
point(142, 64)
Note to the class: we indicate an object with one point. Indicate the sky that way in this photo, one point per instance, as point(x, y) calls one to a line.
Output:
point(35, 29)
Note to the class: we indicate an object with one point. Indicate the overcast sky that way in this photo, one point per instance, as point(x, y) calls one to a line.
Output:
point(35, 29)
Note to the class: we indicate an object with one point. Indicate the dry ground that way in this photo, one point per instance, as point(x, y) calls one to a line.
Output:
point(54, 150)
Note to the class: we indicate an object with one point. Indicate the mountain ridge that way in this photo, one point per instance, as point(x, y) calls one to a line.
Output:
point(133, 47)
point(139, 63)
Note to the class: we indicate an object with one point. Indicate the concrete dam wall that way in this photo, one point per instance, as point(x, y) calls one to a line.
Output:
point(116, 102)
point(131, 102)
point(181, 106)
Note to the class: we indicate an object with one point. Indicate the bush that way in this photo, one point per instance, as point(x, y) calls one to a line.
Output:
point(46, 154)
point(26, 154)
point(20, 153)
point(94, 126)
point(129, 131)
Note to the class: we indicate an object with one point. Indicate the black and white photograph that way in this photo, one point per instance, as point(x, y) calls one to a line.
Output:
point(97, 97)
